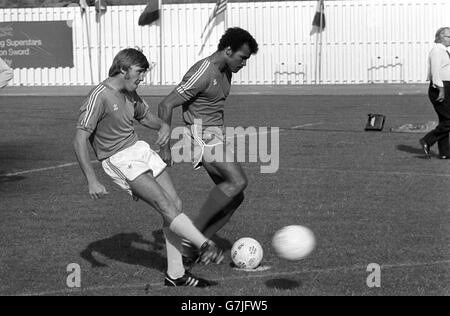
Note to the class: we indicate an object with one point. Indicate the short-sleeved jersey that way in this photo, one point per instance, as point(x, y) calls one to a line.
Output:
point(205, 89)
point(109, 115)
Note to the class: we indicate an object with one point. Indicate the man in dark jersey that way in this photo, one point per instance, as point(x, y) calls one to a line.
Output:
point(106, 121)
point(202, 93)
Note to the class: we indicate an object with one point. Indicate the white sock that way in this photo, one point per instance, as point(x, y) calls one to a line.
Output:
point(175, 267)
point(183, 226)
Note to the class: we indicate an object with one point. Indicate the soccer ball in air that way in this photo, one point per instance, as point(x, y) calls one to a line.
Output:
point(293, 242)
point(247, 253)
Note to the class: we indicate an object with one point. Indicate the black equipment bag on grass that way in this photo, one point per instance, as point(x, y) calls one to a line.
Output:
point(375, 122)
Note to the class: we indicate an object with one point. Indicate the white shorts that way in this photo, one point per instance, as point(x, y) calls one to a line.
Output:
point(200, 139)
point(130, 163)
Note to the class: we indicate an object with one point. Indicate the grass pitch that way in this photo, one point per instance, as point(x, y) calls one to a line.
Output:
point(369, 197)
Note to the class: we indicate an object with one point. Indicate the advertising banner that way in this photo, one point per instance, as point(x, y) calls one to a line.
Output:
point(37, 44)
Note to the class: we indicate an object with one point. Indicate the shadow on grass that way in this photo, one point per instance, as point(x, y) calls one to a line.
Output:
point(128, 248)
point(5, 179)
point(222, 243)
point(131, 248)
point(282, 284)
point(413, 150)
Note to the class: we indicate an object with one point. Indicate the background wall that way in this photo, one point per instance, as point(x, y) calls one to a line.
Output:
point(60, 3)
point(365, 41)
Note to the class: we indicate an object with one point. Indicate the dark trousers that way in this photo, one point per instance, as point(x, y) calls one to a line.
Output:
point(441, 133)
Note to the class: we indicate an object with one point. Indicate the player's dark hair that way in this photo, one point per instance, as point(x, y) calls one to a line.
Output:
point(235, 38)
point(127, 58)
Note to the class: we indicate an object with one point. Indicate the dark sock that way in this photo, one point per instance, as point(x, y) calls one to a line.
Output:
point(216, 223)
point(217, 200)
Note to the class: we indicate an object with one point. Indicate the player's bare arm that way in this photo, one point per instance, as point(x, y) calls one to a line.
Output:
point(153, 122)
point(96, 189)
point(165, 110)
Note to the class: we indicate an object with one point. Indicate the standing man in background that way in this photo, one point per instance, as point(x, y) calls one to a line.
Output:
point(6, 73)
point(439, 94)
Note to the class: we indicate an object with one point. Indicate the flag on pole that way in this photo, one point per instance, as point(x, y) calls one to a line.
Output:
point(83, 6)
point(319, 18)
point(151, 13)
point(221, 6)
point(100, 8)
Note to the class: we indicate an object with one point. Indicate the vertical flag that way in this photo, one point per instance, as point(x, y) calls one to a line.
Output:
point(319, 18)
point(100, 8)
point(85, 13)
point(150, 14)
point(221, 6)
point(83, 6)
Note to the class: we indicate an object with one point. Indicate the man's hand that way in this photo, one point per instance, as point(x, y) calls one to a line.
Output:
point(441, 96)
point(166, 155)
point(163, 135)
point(97, 190)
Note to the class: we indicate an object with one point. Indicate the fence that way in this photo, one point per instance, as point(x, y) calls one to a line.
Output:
point(365, 41)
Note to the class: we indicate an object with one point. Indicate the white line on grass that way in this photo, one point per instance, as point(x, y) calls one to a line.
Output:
point(147, 287)
point(401, 173)
point(71, 164)
point(306, 125)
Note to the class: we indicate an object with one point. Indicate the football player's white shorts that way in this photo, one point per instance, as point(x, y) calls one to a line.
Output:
point(130, 163)
point(201, 139)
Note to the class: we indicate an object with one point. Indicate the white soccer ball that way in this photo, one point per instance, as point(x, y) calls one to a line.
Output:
point(293, 242)
point(247, 253)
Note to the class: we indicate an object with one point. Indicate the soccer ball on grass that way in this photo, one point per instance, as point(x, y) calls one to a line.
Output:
point(247, 253)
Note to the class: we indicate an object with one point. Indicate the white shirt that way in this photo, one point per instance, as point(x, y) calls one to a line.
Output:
point(439, 65)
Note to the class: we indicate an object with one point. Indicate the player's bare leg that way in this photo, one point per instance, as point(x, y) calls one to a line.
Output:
point(221, 218)
point(226, 196)
point(176, 274)
point(149, 190)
